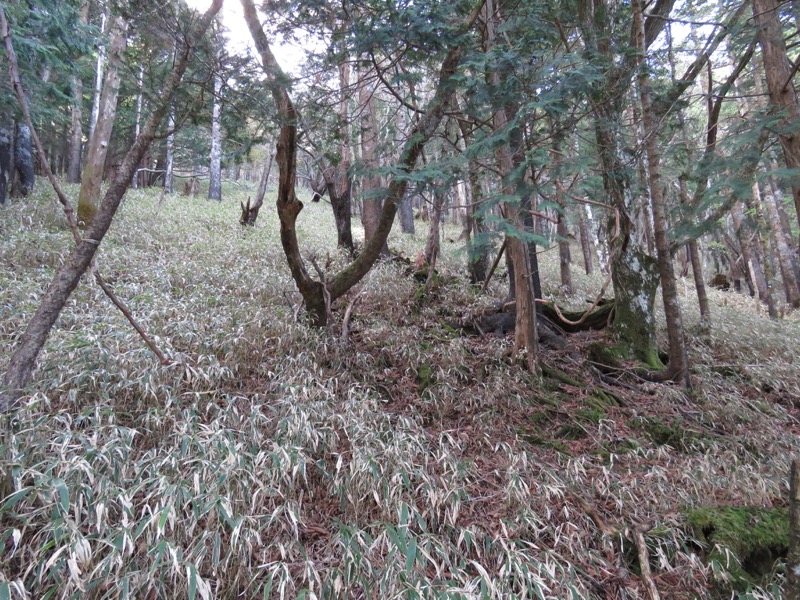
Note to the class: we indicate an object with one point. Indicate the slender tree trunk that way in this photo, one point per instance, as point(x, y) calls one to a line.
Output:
point(76, 139)
point(784, 251)
point(169, 167)
point(92, 175)
point(137, 124)
point(678, 354)
point(525, 325)
point(215, 168)
point(761, 234)
point(434, 242)
point(586, 242)
point(782, 94)
point(68, 275)
point(98, 77)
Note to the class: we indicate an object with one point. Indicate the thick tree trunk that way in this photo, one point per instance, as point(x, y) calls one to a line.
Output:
point(23, 359)
point(92, 176)
point(782, 94)
point(23, 161)
point(634, 272)
point(678, 354)
point(215, 167)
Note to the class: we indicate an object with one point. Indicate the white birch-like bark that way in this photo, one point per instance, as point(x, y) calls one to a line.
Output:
point(215, 166)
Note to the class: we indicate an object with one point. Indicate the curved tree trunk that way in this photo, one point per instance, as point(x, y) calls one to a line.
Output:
point(315, 294)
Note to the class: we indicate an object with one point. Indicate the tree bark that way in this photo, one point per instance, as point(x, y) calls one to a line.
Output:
point(23, 359)
point(76, 125)
point(98, 77)
point(137, 124)
point(434, 242)
point(783, 250)
point(782, 93)
point(23, 161)
point(215, 166)
point(169, 167)
point(337, 178)
point(92, 175)
point(525, 335)
point(371, 200)
point(586, 242)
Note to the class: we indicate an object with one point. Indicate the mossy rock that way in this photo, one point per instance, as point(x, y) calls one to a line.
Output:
point(604, 355)
point(757, 537)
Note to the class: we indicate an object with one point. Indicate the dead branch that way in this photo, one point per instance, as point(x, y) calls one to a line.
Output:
point(644, 566)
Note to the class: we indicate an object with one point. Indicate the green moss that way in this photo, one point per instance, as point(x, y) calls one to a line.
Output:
point(672, 433)
point(571, 431)
point(757, 537)
point(593, 415)
point(537, 440)
point(425, 377)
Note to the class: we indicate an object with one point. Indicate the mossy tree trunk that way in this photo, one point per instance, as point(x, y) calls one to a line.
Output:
point(5, 162)
point(92, 176)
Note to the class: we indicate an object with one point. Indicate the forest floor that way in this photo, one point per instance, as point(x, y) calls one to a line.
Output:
point(273, 460)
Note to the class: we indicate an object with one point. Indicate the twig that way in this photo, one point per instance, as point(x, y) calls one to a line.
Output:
point(494, 266)
point(644, 566)
point(16, 83)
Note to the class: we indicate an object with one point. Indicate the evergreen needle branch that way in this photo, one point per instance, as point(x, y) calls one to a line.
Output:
point(16, 83)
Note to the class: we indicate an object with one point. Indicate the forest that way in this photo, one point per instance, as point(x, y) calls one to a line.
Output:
point(397, 299)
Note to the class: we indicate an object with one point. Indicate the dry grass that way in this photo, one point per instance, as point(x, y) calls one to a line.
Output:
point(272, 460)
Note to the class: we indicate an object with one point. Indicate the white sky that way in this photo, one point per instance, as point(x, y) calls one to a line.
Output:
point(289, 56)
